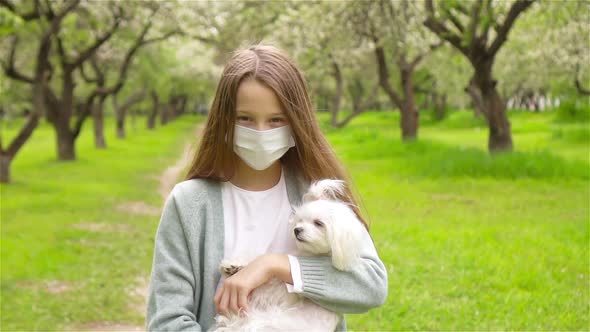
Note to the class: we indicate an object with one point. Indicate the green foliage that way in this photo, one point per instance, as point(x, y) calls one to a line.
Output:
point(573, 135)
point(430, 115)
point(429, 157)
point(8, 22)
point(573, 110)
point(463, 119)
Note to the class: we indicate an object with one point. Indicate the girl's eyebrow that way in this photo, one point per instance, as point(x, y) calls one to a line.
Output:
point(248, 112)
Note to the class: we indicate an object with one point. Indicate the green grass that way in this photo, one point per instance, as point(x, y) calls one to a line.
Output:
point(470, 241)
point(46, 198)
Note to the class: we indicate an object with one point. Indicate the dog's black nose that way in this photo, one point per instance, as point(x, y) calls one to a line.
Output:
point(298, 230)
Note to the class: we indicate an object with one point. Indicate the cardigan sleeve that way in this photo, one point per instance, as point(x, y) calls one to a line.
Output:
point(173, 287)
point(354, 291)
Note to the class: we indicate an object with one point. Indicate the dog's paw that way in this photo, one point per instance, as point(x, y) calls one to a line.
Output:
point(230, 270)
point(229, 267)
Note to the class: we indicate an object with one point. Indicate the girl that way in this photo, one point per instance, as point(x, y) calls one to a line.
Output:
point(261, 148)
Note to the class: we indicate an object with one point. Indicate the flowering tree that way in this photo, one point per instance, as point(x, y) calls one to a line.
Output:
point(478, 30)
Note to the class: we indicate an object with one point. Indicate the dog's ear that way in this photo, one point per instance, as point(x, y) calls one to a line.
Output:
point(293, 216)
point(345, 235)
point(324, 189)
point(291, 219)
point(308, 197)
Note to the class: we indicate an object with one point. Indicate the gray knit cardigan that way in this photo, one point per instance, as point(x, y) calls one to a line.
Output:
point(189, 247)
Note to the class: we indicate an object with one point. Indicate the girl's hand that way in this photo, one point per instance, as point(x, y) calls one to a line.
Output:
point(232, 296)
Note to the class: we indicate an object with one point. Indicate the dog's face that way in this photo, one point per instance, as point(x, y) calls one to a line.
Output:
point(326, 227)
point(310, 224)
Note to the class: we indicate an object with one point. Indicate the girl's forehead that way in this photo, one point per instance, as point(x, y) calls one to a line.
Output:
point(255, 98)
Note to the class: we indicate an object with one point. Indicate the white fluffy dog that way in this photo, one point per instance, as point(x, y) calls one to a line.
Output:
point(322, 226)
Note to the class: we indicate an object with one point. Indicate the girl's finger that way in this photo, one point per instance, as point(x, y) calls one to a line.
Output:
point(217, 297)
point(243, 300)
point(224, 302)
point(233, 300)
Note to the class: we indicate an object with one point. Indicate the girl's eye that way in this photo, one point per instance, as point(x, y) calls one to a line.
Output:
point(277, 120)
point(243, 118)
point(318, 223)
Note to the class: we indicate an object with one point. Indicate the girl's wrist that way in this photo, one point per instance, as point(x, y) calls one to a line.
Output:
point(279, 267)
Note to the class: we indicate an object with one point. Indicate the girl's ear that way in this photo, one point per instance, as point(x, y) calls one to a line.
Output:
point(345, 237)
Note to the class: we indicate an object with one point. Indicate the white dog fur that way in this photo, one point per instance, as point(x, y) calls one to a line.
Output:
point(322, 226)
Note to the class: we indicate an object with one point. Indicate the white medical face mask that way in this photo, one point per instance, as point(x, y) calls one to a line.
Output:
point(260, 148)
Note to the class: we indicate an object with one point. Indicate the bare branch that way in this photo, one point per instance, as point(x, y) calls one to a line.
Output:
point(10, 69)
point(489, 21)
point(166, 36)
point(515, 10)
point(205, 40)
point(35, 13)
point(84, 55)
point(384, 76)
point(422, 55)
point(61, 51)
point(50, 13)
point(25, 132)
point(87, 78)
point(474, 19)
point(456, 22)
point(8, 5)
point(440, 29)
point(56, 21)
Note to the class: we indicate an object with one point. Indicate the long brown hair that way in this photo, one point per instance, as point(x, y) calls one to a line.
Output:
point(312, 155)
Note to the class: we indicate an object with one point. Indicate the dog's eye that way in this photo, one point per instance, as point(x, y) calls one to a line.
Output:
point(318, 223)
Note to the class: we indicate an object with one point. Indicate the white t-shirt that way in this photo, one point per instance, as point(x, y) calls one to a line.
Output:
point(256, 223)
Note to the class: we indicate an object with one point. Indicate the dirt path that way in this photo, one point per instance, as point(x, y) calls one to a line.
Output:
point(170, 176)
point(138, 292)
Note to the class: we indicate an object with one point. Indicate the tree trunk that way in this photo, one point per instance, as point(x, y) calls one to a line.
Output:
point(120, 127)
point(440, 105)
point(121, 111)
point(183, 102)
point(337, 97)
point(151, 121)
point(98, 117)
point(409, 113)
point(6, 156)
point(500, 138)
point(476, 99)
point(5, 161)
point(65, 143)
point(119, 118)
point(164, 109)
point(494, 108)
point(581, 90)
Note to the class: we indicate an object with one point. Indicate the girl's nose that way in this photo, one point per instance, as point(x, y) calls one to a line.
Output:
point(262, 126)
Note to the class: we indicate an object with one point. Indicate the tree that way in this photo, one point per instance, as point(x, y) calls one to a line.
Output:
point(548, 51)
point(324, 49)
point(393, 28)
point(478, 33)
point(42, 71)
point(133, 36)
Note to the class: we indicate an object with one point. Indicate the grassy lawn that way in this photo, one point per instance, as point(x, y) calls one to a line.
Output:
point(45, 202)
point(474, 242)
point(471, 242)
